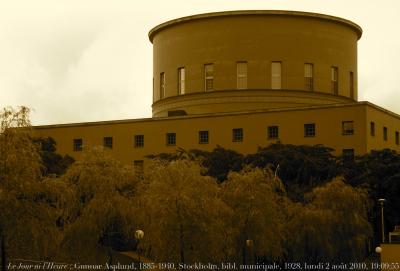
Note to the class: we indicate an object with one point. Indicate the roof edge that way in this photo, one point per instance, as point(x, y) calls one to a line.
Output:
point(169, 23)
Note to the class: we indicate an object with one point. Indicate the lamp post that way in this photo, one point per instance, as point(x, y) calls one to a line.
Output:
point(382, 202)
point(250, 245)
point(139, 234)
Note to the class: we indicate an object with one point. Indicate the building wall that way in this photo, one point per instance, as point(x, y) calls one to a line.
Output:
point(294, 38)
point(390, 257)
point(382, 118)
point(327, 119)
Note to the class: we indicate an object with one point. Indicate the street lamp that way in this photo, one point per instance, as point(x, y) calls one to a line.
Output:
point(382, 202)
point(139, 234)
point(250, 247)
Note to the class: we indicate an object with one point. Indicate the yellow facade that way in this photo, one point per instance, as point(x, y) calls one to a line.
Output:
point(244, 102)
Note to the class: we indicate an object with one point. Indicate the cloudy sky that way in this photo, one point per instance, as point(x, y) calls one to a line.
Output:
point(90, 60)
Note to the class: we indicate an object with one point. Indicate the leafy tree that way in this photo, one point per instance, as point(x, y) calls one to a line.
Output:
point(100, 216)
point(301, 168)
point(53, 163)
point(182, 214)
point(217, 163)
point(29, 206)
point(332, 227)
point(253, 196)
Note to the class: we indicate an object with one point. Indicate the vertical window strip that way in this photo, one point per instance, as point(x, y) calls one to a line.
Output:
point(309, 76)
point(241, 75)
point(162, 85)
point(181, 80)
point(351, 85)
point(208, 77)
point(334, 80)
point(276, 70)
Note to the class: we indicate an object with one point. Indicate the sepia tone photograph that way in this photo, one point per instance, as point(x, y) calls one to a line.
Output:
point(199, 135)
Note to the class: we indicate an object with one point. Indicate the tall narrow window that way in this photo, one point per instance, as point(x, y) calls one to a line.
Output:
point(308, 76)
point(385, 132)
point(162, 85)
point(108, 142)
point(209, 77)
point(241, 68)
point(181, 80)
point(351, 85)
point(276, 68)
point(334, 80)
point(397, 139)
point(372, 128)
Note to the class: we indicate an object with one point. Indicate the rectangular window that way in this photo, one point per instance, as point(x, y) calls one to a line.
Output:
point(276, 69)
point(348, 154)
point(241, 68)
point(396, 137)
point(308, 76)
point(162, 85)
point(139, 141)
point(347, 127)
point(273, 132)
point(372, 128)
point(351, 85)
point(203, 137)
point(209, 77)
point(385, 133)
point(181, 80)
point(237, 135)
point(309, 130)
point(334, 80)
point(108, 142)
point(77, 144)
point(171, 139)
point(138, 167)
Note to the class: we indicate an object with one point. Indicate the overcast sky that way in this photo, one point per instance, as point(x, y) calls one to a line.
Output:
point(91, 60)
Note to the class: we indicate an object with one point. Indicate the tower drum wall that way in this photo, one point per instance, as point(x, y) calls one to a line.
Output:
point(258, 39)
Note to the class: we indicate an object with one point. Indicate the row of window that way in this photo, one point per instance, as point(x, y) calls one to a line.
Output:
point(241, 77)
point(238, 135)
point(384, 133)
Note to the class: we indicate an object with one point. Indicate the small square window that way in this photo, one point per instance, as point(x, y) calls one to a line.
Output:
point(309, 130)
point(385, 133)
point(171, 139)
point(108, 142)
point(273, 132)
point(237, 135)
point(77, 144)
point(203, 137)
point(372, 128)
point(139, 141)
point(347, 127)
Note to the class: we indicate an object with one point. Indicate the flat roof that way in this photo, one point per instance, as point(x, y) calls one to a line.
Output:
point(272, 110)
point(164, 25)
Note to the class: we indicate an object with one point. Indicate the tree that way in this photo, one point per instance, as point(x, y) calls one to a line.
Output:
point(100, 216)
point(182, 214)
point(332, 227)
point(29, 205)
point(53, 163)
point(301, 168)
point(253, 195)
